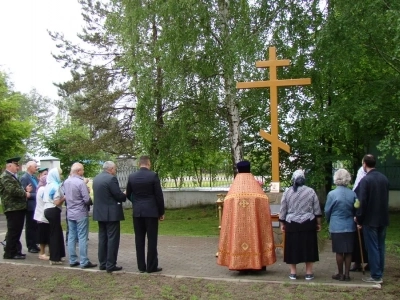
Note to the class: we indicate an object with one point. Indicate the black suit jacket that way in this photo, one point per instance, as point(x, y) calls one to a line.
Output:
point(144, 190)
point(374, 200)
point(25, 180)
point(108, 198)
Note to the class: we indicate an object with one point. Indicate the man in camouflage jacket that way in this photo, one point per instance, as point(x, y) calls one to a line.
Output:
point(13, 198)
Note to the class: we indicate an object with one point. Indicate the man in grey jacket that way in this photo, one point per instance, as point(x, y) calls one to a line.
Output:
point(108, 212)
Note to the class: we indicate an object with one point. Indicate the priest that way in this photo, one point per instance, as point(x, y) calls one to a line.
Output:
point(246, 240)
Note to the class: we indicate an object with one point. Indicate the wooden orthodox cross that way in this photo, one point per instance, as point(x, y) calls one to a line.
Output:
point(273, 84)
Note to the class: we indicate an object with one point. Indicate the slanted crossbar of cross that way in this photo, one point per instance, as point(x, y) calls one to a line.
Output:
point(273, 83)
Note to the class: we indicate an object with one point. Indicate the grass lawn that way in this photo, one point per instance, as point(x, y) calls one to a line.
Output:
point(191, 221)
point(392, 234)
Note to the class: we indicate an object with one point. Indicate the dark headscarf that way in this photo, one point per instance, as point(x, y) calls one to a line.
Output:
point(42, 181)
point(298, 179)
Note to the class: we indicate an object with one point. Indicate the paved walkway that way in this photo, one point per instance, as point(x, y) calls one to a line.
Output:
point(195, 257)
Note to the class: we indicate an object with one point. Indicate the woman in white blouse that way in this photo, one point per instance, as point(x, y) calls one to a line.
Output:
point(43, 223)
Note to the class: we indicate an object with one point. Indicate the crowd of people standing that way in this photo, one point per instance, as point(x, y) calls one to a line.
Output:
point(39, 201)
point(246, 241)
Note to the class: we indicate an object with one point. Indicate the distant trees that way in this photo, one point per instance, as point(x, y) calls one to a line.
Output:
point(14, 129)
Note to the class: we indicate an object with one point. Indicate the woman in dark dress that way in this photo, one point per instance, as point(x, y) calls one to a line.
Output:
point(300, 219)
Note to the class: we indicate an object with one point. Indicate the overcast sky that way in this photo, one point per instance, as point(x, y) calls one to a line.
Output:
point(26, 47)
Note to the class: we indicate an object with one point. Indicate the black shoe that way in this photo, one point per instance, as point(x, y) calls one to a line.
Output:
point(21, 254)
point(102, 268)
point(15, 257)
point(141, 271)
point(74, 264)
point(156, 270)
point(89, 265)
point(114, 269)
point(33, 250)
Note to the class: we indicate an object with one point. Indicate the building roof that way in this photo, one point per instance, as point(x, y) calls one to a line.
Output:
point(47, 158)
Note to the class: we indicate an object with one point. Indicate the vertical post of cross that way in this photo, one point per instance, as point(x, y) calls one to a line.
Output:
point(273, 84)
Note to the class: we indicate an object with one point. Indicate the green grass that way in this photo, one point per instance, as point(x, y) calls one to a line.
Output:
point(392, 233)
point(190, 221)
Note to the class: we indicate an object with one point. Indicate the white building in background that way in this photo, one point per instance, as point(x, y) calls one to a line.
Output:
point(48, 162)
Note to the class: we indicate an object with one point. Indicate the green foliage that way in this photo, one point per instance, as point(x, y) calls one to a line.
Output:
point(390, 144)
point(70, 142)
point(160, 78)
point(13, 127)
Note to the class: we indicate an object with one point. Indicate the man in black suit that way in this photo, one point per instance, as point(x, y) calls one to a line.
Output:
point(144, 190)
point(31, 229)
point(373, 215)
point(108, 212)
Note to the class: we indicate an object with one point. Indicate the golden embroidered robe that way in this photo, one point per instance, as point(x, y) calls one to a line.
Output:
point(246, 238)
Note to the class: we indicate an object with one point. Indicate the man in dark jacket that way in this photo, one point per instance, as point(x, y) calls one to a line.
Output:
point(373, 216)
point(108, 212)
point(31, 229)
point(13, 198)
point(144, 190)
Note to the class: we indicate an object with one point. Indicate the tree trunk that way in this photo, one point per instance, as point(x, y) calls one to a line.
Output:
point(233, 117)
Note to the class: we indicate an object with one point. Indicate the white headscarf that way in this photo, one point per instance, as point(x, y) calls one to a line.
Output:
point(298, 179)
point(53, 185)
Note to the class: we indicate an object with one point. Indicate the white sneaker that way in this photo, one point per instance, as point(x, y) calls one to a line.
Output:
point(372, 280)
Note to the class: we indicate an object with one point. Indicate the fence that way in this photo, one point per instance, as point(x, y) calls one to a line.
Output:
point(123, 172)
point(207, 180)
point(204, 180)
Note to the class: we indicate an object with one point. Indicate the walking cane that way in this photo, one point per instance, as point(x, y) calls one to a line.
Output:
point(361, 250)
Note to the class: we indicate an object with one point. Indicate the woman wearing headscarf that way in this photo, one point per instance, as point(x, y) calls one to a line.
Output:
point(356, 257)
point(43, 223)
point(53, 199)
point(300, 219)
point(339, 213)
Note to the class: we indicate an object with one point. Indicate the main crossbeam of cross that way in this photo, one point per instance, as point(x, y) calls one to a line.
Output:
point(273, 83)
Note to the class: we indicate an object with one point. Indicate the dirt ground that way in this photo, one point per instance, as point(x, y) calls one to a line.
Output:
point(38, 282)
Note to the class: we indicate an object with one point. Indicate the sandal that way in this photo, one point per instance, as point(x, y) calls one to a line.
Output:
point(44, 257)
point(339, 277)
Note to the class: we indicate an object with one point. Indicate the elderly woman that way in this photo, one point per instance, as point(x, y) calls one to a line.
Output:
point(53, 199)
point(300, 219)
point(339, 213)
